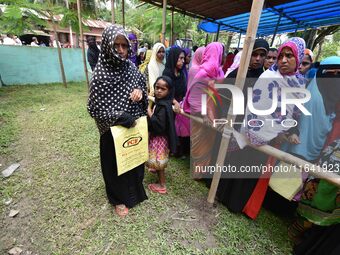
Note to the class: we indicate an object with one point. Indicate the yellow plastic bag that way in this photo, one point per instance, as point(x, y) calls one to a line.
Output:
point(131, 145)
point(287, 181)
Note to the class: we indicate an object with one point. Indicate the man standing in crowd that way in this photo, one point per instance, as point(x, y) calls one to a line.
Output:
point(270, 59)
point(9, 40)
point(34, 42)
point(259, 54)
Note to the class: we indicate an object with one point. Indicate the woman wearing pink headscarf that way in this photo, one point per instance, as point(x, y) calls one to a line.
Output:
point(182, 123)
point(202, 137)
point(195, 64)
point(235, 64)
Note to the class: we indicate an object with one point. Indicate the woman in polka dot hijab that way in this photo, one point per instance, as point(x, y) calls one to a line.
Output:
point(114, 80)
point(117, 97)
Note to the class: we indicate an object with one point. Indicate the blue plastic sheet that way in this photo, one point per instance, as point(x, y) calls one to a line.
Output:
point(301, 14)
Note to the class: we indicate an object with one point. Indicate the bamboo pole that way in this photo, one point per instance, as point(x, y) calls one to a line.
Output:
point(164, 21)
point(312, 169)
point(296, 30)
point(123, 13)
point(113, 11)
point(239, 40)
point(227, 46)
point(218, 32)
point(206, 39)
point(172, 26)
point(82, 44)
point(61, 64)
point(70, 28)
point(276, 28)
point(253, 23)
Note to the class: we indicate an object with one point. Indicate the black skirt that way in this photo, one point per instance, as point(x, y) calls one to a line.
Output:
point(320, 241)
point(125, 189)
point(234, 190)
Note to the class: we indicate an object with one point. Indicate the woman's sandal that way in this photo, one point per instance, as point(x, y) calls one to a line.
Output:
point(157, 188)
point(121, 210)
point(153, 171)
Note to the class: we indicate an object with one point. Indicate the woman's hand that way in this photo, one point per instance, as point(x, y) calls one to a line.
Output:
point(177, 106)
point(136, 95)
point(294, 139)
point(150, 111)
point(281, 138)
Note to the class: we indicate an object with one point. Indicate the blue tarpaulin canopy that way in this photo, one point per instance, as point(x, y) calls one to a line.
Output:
point(301, 15)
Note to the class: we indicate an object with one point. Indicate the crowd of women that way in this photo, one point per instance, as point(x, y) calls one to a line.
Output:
point(119, 95)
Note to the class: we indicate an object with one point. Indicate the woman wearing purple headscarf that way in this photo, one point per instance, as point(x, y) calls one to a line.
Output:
point(187, 55)
point(134, 48)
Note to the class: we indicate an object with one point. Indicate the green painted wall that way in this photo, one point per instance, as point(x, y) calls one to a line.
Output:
point(33, 65)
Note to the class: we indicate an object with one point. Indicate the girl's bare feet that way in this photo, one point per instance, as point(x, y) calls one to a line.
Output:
point(121, 210)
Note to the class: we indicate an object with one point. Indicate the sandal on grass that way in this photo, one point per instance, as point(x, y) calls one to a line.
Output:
point(157, 188)
point(121, 210)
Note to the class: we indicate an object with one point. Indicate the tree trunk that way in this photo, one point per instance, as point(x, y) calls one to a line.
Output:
point(123, 13)
point(113, 11)
point(82, 44)
point(323, 32)
point(319, 52)
point(77, 41)
point(227, 46)
point(59, 52)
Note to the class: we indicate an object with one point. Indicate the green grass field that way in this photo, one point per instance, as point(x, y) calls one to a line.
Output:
point(60, 194)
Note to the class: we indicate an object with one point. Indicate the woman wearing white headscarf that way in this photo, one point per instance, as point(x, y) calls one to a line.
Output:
point(156, 66)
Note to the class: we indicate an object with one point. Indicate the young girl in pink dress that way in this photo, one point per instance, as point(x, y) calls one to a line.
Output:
point(162, 132)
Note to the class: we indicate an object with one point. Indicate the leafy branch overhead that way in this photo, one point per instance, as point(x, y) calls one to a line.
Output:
point(21, 16)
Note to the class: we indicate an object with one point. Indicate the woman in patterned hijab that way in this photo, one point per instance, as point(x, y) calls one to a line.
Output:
point(117, 97)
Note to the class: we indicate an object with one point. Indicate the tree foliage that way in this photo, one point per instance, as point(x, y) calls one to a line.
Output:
point(314, 37)
point(148, 19)
point(331, 47)
point(21, 16)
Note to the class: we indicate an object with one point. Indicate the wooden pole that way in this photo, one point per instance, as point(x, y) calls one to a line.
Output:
point(82, 44)
point(70, 28)
point(61, 64)
point(113, 11)
point(172, 26)
point(123, 12)
point(311, 38)
point(253, 24)
point(296, 30)
point(304, 33)
point(164, 22)
point(239, 40)
point(312, 169)
point(218, 32)
point(227, 46)
point(276, 28)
